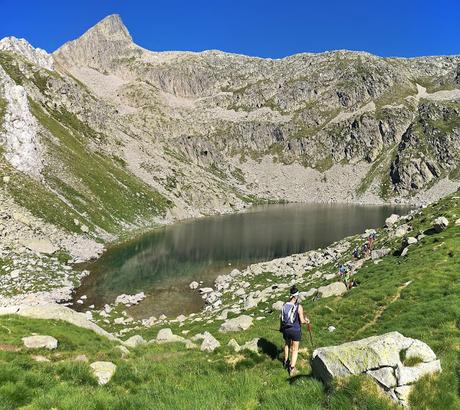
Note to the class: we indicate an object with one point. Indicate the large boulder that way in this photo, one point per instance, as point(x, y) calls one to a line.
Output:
point(440, 224)
point(52, 311)
point(134, 341)
point(210, 343)
point(39, 245)
point(334, 289)
point(380, 358)
point(236, 324)
point(391, 220)
point(103, 371)
point(380, 253)
point(40, 342)
point(166, 336)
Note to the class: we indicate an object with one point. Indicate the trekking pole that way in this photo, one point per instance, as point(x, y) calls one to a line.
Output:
point(309, 332)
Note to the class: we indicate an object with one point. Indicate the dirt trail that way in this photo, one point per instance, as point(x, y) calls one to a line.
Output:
point(381, 310)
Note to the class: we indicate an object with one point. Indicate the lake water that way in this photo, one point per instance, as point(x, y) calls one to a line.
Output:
point(164, 262)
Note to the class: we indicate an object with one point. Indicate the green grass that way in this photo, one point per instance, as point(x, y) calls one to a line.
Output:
point(3, 105)
point(92, 187)
point(168, 376)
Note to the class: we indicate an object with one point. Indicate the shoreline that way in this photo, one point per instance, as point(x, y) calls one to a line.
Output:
point(64, 294)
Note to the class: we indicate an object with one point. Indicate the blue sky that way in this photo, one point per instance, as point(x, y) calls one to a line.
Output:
point(266, 28)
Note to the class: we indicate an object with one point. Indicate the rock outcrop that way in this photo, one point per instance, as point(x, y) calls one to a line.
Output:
point(40, 342)
point(56, 312)
point(103, 371)
point(382, 358)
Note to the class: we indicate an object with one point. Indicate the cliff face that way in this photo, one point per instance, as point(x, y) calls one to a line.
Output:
point(209, 132)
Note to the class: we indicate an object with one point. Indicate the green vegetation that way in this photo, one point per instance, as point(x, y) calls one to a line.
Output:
point(169, 376)
point(10, 65)
point(91, 187)
point(3, 105)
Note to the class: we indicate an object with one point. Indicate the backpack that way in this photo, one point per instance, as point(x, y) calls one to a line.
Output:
point(289, 315)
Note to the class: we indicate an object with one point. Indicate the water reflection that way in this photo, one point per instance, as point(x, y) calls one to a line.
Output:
point(163, 262)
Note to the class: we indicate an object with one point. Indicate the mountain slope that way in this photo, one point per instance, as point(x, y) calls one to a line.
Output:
point(103, 137)
point(210, 131)
point(416, 294)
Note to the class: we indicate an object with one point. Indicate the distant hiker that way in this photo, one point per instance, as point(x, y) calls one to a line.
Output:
point(370, 240)
point(347, 280)
point(292, 317)
point(356, 252)
point(342, 270)
point(365, 249)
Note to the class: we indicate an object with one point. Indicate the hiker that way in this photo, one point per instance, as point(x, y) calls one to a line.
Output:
point(370, 240)
point(342, 270)
point(356, 252)
point(347, 279)
point(292, 317)
point(365, 249)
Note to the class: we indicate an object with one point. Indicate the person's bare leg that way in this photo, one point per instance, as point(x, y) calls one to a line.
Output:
point(286, 352)
point(294, 353)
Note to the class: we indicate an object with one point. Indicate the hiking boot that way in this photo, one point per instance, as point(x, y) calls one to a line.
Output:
point(293, 371)
point(287, 364)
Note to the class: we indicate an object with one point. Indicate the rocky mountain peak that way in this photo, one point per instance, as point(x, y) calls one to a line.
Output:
point(97, 47)
point(112, 28)
point(25, 49)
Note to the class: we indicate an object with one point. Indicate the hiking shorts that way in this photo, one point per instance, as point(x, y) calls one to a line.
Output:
point(292, 334)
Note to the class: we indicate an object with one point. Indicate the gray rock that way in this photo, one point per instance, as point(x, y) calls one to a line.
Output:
point(234, 345)
point(194, 285)
point(210, 343)
point(103, 371)
point(403, 393)
point(401, 231)
point(252, 345)
point(278, 305)
point(409, 375)
point(380, 253)
point(123, 350)
point(39, 245)
point(81, 358)
point(40, 342)
point(308, 294)
point(391, 220)
point(134, 341)
point(236, 324)
point(376, 356)
point(334, 289)
point(385, 376)
point(411, 240)
point(166, 336)
point(440, 224)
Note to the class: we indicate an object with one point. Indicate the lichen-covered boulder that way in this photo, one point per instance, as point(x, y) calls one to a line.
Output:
point(440, 224)
point(210, 343)
point(103, 371)
point(236, 324)
point(40, 342)
point(334, 289)
point(380, 357)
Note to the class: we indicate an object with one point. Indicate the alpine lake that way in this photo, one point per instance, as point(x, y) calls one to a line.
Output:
point(163, 262)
